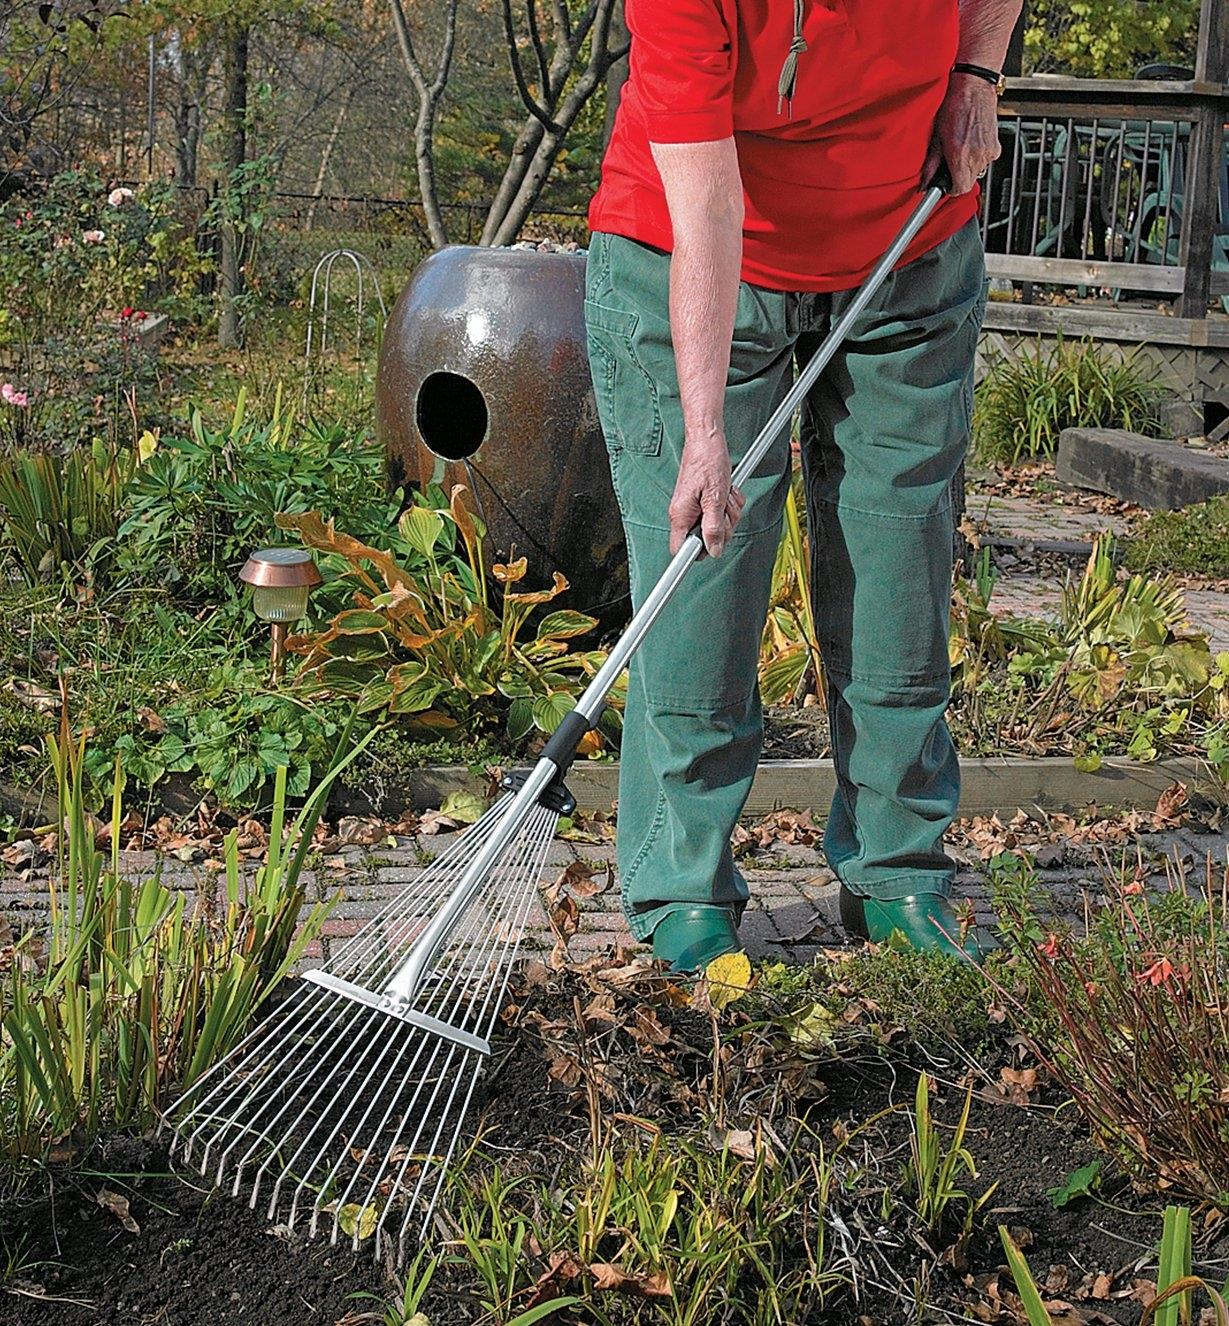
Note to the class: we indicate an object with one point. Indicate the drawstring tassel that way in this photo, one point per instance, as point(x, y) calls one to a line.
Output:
point(789, 70)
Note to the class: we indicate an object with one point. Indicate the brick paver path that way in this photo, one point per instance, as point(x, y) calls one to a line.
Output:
point(1047, 519)
point(793, 910)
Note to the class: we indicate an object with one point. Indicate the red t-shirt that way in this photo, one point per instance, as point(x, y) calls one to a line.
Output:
point(827, 182)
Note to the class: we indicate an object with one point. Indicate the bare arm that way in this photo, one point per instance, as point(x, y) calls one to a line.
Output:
point(966, 130)
point(703, 190)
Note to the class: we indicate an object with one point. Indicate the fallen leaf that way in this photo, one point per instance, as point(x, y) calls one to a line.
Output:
point(118, 1206)
point(727, 979)
point(1170, 807)
point(463, 807)
point(356, 1220)
point(608, 1276)
point(154, 722)
point(360, 830)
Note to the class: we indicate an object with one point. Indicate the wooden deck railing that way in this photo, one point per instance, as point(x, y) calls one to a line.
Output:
point(1119, 186)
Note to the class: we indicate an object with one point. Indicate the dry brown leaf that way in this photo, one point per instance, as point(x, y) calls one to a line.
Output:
point(608, 1276)
point(118, 1206)
point(1170, 807)
point(153, 721)
point(360, 830)
point(1016, 1085)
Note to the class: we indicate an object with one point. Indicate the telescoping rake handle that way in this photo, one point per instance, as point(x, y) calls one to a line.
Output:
point(542, 784)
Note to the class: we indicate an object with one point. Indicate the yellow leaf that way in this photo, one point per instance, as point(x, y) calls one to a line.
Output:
point(729, 978)
point(352, 1217)
point(147, 444)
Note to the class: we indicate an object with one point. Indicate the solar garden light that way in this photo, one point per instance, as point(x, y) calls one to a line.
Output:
point(281, 579)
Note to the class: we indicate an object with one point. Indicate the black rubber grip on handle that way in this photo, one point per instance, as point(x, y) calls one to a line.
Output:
point(561, 746)
point(941, 179)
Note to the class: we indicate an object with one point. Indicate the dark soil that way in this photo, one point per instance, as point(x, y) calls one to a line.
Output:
point(794, 733)
point(198, 1259)
point(205, 1258)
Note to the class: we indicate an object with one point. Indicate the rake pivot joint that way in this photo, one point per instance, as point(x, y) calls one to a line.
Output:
point(555, 796)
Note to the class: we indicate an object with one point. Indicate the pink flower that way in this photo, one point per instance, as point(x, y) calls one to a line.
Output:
point(140, 315)
point(93, 236)
point(118, 197)
point(1050, 948)
point(11, 396)
point(1159, 973)
point(1133, 889)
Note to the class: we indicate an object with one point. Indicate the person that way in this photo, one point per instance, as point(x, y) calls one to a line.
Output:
point(763, 157)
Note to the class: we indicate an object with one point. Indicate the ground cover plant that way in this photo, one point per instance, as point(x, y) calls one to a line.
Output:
point(1194, 540)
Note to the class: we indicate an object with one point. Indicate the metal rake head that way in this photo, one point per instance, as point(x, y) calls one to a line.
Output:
point(343, 1111)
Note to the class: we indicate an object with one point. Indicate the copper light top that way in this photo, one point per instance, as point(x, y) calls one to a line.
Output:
point(280, 568)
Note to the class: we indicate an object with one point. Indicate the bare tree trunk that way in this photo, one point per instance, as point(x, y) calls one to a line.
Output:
point(429, 96)
point(616, 75)
point(191, 74)
point(553, 108)
point(235, 149)
point(327, 155)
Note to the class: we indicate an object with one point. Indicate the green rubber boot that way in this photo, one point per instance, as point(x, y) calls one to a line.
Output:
point(691, 937)
point(926, 920)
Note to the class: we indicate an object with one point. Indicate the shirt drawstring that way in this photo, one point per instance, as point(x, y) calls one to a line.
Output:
point(789, 70)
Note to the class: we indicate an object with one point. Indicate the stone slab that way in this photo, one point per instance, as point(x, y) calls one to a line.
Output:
point(1158, 475)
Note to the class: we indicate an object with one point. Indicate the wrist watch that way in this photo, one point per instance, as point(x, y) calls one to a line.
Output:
point(994, 77)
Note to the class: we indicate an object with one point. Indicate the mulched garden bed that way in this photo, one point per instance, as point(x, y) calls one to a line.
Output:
point(179, 1256)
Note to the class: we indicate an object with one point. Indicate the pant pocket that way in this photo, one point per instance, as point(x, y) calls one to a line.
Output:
point(626, 394)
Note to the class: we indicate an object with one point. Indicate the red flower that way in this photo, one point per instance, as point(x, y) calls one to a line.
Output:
point(1160, 972)
point(1134, 888)
point(126, 311)
point(140, 315)
point(1050, 947)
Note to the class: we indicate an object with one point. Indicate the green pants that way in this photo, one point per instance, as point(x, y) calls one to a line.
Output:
point(883, 433)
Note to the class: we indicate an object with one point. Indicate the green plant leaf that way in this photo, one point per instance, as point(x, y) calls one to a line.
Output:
point(421, 529)
point(1079, 1183)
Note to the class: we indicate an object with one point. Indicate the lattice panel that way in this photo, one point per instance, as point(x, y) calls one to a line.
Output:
point(1193, 373)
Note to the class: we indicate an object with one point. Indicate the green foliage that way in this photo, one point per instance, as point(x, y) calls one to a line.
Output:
point(1120, 671)
point(1130, 1018)
point(673, 1227)
point(1025, 402)
point(936, 1167)
point(1194, 539)
point(58, 516)
point(137, 992)
point(200, 504)
point(435, 647)
point(1108, 38)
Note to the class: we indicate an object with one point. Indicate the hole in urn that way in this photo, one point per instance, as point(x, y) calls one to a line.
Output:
point(452, 415)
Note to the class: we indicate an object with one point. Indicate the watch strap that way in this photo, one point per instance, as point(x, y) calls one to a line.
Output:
point(991, 76)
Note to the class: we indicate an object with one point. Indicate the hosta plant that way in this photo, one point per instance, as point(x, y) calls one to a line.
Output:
point(436, 644)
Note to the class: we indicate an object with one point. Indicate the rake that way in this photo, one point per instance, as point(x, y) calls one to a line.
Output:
point(341, 1111)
